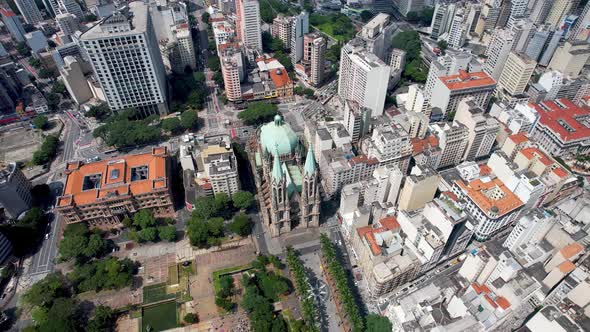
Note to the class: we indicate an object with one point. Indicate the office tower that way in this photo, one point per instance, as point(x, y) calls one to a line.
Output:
point(124, 53)
point(443, 11)
point(488, 17)
point(516, 75)
point(523, 31)
point(550, 48)
point(377, 35)
point(248, 23)
point(68, 23)
point(185, 50)
point(504, 14)
point(458, 30)
point(497, 52)
point(446, 65)
point(29, 11)
point(539, 11)
point(314, 54)
point(450, 90)
point(537, 43)
point(581, 29)
point(559, 10)
point(517, 11)
point(397, 59)
point(220, 168)
point(452, 140)
point(232, 71)
point(13, 24)
point(15, 190)
point(357, 120)
point(482, 128)
point(473, 15)
point(281, 28)
point(363, 77)
point(415, 100)
point(570, 58)
point(70, 6)
point(419, 188)
point(407, 6)
point(299, 27)
point(74, 80)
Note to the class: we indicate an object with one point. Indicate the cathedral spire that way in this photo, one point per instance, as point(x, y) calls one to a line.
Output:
point(277, 171)
point(310, 166)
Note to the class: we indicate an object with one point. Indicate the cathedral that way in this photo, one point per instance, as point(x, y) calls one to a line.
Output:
point(289, 184)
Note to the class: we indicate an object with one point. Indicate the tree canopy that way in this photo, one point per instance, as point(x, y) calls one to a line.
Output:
point(258, 113)
point(366, 16)
point(99, 112)
point(243, 200)
point(80, 244)
point(110, 273)
point(241, 225)
point(41, 122)
point(378, 323)
point(46, 151)
point(124, 129)
point(409, 41)
point(189, 120)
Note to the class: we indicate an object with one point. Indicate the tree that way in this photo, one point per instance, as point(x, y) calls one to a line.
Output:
point(222, 204)
point(23, 49)
point(198, 232)
point(63, 316)
point(45, 291)
point(47, 151)
point(241, 225)
point(144, 219)
point(46, 73)
point(99, 112)
point(127, 222)
point(285, 60)
point(167, 233)
point(53, 100)
point(36, 63)
point(309, 93)
point(258, 112)
point(82, 247)
point(366, 16)
point(243, 200)
point(205, 208)
point(190, 318)
point(41, 122)
point(298, 90)
point(215, 227)
point(442, 44)
point(205, 17)
point(413, 17)
point(218, 78)
point(34, 217)
point(226, 286)
point(213, 63)
point(149, 234)
point(58, 88)
point(378, 323)
point(189, 120)
point(90, 18)
point(426, 16)
point(172, 125)
point(102, 321)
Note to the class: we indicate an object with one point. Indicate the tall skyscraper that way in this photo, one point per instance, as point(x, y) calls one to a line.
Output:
point(449, 91)
point(497, 52)
point(517, 11)
point(559, 10)
point(482, 129)
point(581, 29)
point(407, 6)
point(29, 11)
point(570, 58)
point(442, 12)
point(68, 23)
point(314, 54)
point(248, 21)
point(536, 45)
point(299, 27)
point(124, 53)
point(15, 190)
point(363, 77)
point(458, 30)
point(516, 75)
point(377, 35)
point(70, 6)
point(281, 28)
point(539, 10)
point(12, 23)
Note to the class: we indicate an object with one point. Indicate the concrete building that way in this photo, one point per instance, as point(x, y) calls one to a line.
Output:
point(248, 23)
point(5, 248)
point(397, 59)
point(407, 6)
point(13, 24)
point(314, 55)
point(570, 58)
point(282, 28)
point(452, 140)
point(515, 76)
point(530, 229)
point(68, 23)
point(131, 72)
point(443, 12)
point(450, 90)
point(357, 120)
point(299, 27)
point(363, 77)
point(497, 52)
point(561, 129)
point(389, 144)
point(29, 11)
point(36, 41)
point(536, 45)
point(377, 34)
point(71, 7)
point(419, 188)
point(74, 80)
point(103, 193)
point(15, 191)
point(232, 69)
point(581, 29)
point(482, 129)
point(539, 11)
point(458, 30)
point(219, 168)
point(559, 10)
point(550, 48)
point(446, 65)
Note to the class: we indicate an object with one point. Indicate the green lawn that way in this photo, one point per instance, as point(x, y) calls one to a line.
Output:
point(328, 29)
point(155, 293)
point(228, 270)
point(160, 317)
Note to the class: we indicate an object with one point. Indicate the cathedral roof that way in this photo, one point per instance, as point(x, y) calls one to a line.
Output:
point(278, 138)
point(310, 165)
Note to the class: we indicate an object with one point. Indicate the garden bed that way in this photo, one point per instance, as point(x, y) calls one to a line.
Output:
point(160, 317)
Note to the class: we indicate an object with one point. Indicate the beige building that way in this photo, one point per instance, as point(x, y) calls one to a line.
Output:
point(218, 165)
point(452, 140)
point(281, 28)
point(419, 188)
point(230, 70)
point(558, 12)
point(515, 76)
point(314, 55)
point(74, 80)
point(482, 129)
point(450, 90)
point(570, 58)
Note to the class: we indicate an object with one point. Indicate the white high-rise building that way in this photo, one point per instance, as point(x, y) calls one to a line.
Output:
point(517, 11)
point(377, 35)
point(125, 56)
point(516, 75)
point(446, 65)
point(74, 80)
point(29, 11)
point(363, 77)
point(68, 23)
point(443, 12)
point(452, 140)
point(497, 52)
point(458, 30)
point(449, 91)
point(299, 27)
point(248, 22)
point(559, 10)
point(70, 6)
point(482, 129)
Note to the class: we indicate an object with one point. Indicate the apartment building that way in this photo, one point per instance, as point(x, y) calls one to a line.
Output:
point(248, 23)
point(515, 76)
point(452, 140)
point(377, 35)
point(314, 57)
point(450, 90)
point(15, 191)
point(28, 9)
point(482, 129)
point(419, 188)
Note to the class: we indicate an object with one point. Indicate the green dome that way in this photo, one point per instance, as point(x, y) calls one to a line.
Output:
point(277, 137)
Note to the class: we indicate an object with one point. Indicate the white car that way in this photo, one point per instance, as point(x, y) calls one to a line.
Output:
point(46, 236)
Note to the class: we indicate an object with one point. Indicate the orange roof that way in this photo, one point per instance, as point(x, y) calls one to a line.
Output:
point(518, 138)
point(480, 288)
point(419, 145)
point(490, 301)
point(571, 250)
point(362, 159)
point(476, 190)
point(7, 12)
point(560, 172)
point(562, 117)
point(280, 77)
point(114, 176)
point(451, 195)
point(465, 80)
point(484, 170)
point(567, 267)
point(534, 153)
point(502, 302)
point(390, 222)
